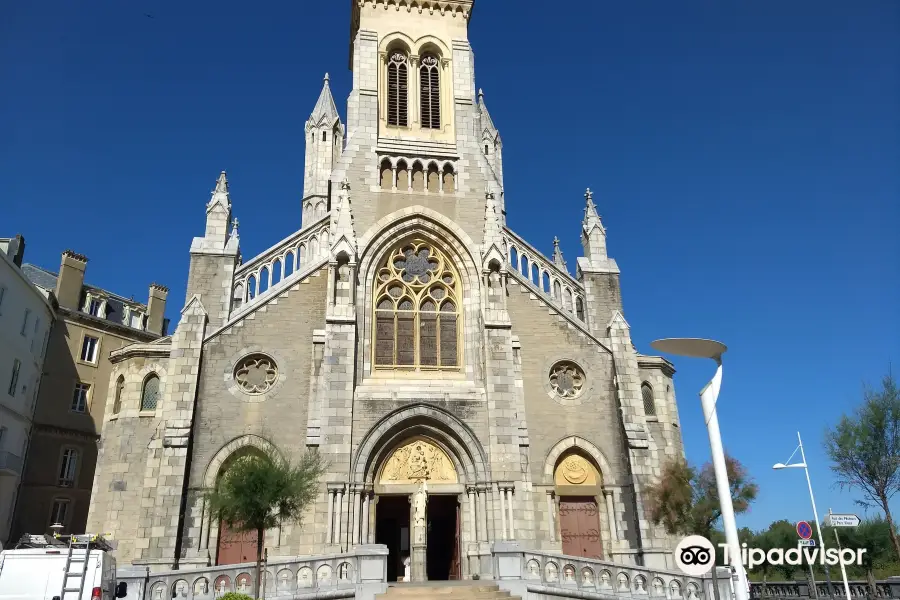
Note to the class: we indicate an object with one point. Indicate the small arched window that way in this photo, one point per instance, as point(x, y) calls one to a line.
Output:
point(417, 310)
point(120, 388)
point(397, 89)
point(150, 393)
point(430, 86)
point(649, 404)
point(324, 136)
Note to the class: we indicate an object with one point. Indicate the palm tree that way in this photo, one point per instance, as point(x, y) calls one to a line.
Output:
point(262, 489)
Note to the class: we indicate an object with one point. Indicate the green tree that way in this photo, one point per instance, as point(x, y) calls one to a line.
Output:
point(263, 489)
point(865, 450)
point(685, 501)
point(873, 536)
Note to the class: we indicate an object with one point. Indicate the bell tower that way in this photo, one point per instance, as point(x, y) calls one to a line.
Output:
point(417, 74)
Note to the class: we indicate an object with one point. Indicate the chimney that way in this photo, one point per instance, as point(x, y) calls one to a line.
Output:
point(156, 309)
point(15, 249)
point(70, 279)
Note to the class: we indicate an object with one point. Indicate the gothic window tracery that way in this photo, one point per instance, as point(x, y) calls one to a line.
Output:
point(430, 88)
point(256, 374)
point(417, 310)
point(397, 89)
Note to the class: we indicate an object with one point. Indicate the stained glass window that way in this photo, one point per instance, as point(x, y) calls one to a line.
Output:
point(417, 300)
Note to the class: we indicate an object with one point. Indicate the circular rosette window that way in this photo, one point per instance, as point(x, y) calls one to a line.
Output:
point(256, 374)
point(567, 379)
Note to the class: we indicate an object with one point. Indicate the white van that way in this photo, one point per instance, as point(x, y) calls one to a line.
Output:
point(37, 571)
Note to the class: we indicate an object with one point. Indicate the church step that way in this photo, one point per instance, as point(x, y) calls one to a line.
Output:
point(431, 594)
point(445, 592)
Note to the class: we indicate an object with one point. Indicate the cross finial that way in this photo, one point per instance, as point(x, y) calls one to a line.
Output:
point(234, 226)
point(555, 242)
point(589, 195)
point(345, 185)
point(489, 195)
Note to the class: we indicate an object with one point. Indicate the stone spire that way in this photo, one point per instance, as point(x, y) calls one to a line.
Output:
point(558, 259)
point(218, 215)
point(593, 234)
point(325, 113)
point(220, 194)
point(492, 242)
point(342, 232)
point(491, 144)
point(324, 146)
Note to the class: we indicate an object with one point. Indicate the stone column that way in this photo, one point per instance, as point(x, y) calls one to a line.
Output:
point(473, 516)
point(509, 506)
point(484, 534)
point(339, 513)
point(329, 495)
point(611, 515)
point(503, 529)
point(354, 523)
point(551, 515)
point(364, 534)
point(418, 529)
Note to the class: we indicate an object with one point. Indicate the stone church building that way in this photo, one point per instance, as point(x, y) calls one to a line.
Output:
point(405, 333)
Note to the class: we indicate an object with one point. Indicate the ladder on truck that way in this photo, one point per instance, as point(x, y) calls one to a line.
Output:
point(80, 547)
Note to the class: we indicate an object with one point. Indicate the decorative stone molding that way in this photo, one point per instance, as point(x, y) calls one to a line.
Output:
point(587, 388)
point(215, 465)
point(567, 443)
point(234, 387)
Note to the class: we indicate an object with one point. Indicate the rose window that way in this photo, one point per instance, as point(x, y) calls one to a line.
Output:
point(567, 380)
point(256, 374)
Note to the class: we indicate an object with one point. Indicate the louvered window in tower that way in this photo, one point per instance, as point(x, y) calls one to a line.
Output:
point(430, 80)
point(398, 90)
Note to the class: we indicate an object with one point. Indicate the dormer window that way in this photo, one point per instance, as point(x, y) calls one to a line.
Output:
point(398, 89)
point(94, 307)
point(430, 87)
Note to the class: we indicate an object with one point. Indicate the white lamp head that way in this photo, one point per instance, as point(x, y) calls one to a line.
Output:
point(778, 466)
point(690, 347)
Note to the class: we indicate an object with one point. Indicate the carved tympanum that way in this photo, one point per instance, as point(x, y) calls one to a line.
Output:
point(416, 461)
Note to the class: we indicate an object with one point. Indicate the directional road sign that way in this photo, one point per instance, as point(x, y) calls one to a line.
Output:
point(807, 542)
point(843, 520)
point(804, 530)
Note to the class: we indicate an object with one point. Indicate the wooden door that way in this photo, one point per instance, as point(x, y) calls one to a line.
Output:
point(579, 524)
point(236, 547)
point(455, 565)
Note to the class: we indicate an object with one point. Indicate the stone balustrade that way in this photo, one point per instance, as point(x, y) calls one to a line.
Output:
point(545, 278)
point(280, 265)
point(532, 574)
point(797, 590)
point(360, 574)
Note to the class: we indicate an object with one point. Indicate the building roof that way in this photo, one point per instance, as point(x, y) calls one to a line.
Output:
point(115, 303)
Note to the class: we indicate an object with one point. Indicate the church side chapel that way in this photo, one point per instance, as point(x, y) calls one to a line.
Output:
point(465, 389)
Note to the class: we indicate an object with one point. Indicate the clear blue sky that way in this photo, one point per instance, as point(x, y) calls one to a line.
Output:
point(745, 158)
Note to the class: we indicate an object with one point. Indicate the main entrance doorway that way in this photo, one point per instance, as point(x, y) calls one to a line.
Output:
point(235, 547)
point(579, 526)
point(392, 530)
point(442, 555)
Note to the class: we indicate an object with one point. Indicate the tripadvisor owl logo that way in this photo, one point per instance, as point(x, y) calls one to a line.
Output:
point(695, 555)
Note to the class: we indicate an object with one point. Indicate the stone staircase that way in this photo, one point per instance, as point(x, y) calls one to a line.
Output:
point(443, 590)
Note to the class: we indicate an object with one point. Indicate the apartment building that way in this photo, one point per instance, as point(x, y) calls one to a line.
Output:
point(26, 316)
point(68, 417)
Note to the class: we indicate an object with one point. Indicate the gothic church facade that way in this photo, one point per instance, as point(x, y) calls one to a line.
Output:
point(405, 333)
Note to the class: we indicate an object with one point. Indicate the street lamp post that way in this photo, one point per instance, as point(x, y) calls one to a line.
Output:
point(698, 348)
point(812, 499)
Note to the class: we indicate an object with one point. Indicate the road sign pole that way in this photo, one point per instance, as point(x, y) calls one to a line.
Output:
point(843, 568)
point(816, 516)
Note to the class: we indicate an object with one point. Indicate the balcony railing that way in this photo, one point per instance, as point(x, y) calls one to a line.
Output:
point(545, 278)
point(280, 265)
